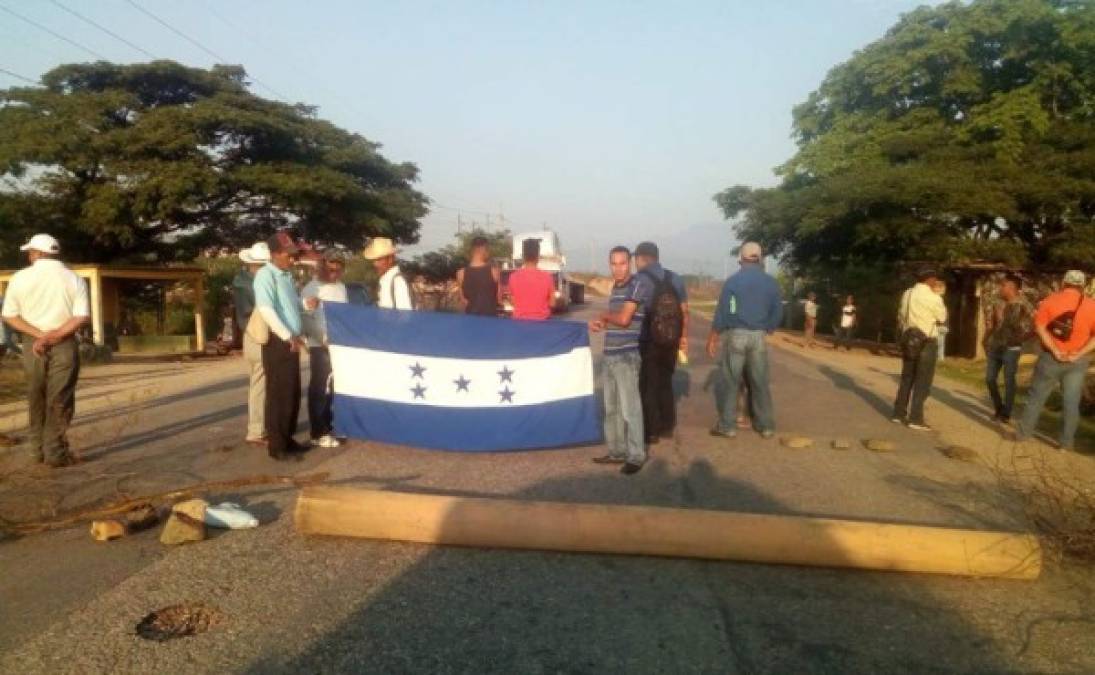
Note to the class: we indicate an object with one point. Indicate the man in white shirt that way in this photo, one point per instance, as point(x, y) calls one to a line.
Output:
point(920, 315)
point(394, 292)
point(326, 287)
point(48, 303)
point(810, 308)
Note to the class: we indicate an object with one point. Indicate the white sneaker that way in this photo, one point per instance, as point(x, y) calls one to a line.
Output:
point(327, 441)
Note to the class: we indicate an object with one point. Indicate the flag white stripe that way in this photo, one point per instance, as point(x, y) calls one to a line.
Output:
point(388, 376)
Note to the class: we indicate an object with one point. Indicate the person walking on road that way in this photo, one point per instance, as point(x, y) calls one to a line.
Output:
point(664, 336)
point(919, 317)
point(48, 303)
point(326, 288)
point(530, 288)
point(243, 292)
point(750, 308)
point(848, 320)
point(479, 281)
point(810, 327)
point(276, 300)
point(1007, 327)
point(623, 324)
point(393, 291)
point(1065, 324)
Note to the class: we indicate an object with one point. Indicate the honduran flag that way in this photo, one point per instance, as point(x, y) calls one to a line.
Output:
point(459, 382)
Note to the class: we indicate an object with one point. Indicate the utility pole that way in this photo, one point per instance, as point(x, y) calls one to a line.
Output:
point(459, 223)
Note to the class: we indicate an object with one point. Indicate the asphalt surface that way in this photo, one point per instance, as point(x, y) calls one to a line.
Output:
point(314, 604)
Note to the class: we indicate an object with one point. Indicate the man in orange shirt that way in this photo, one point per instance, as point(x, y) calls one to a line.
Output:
point(1065, 323)
point(531, 288)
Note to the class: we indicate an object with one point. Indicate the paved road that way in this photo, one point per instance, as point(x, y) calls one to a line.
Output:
point(299, 604)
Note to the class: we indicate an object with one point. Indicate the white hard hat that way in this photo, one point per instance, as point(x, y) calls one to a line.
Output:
point(257, 254)
point(43, 243)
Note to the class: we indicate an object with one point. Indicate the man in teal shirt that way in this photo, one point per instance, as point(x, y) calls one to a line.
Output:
point(276, 300)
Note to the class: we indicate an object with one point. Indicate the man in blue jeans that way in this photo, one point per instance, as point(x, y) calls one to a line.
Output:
point(623, 323)
point(750, 307)
point(1008, 326)
point(1065, 324)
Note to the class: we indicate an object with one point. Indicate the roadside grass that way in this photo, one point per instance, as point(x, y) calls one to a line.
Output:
point(973, 373)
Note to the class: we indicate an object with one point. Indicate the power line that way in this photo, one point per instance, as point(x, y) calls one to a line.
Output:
point(104, 29)
point(55, 34)
point(17, 76)
point(210, 52)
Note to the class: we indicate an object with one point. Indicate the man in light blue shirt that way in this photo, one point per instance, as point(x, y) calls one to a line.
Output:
point(276, 300)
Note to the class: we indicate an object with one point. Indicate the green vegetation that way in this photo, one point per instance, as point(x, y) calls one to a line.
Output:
point(159, 161)
point(965, 133)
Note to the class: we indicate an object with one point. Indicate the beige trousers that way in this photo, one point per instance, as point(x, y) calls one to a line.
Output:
point(256, 392)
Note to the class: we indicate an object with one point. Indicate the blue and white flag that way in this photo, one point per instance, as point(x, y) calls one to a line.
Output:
point(458, 382)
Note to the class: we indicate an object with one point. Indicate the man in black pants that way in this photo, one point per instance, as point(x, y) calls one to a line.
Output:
point(277, 302)
point(920, 314)
point(659, 360)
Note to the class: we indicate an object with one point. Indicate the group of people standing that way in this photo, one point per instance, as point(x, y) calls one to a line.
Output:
point(1063, 325)
point(281, 322)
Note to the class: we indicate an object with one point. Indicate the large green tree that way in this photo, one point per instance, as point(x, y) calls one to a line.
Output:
point(159, 161)
point(966, 133)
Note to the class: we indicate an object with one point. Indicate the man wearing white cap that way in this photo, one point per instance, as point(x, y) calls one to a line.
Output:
point(1065, 323)
point(750, 308)
point(394, 292)
point(243, 290)
point(49, 303)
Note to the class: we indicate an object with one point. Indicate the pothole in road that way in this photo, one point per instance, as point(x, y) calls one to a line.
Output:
point(179, 621)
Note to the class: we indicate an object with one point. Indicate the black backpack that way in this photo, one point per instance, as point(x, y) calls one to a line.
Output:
point(664, 318)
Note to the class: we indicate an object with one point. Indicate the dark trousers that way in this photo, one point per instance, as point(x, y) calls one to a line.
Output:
point(1007, 360)
point(319, 396)
point(51, 397)
point(282, 408)
point(656, 389)
point(844, 338)
point(916, 380)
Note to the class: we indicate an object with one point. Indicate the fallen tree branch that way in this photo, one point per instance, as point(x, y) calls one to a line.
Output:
point(124, 506)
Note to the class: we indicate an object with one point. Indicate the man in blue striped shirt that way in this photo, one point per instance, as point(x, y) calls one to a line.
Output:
point(622, 324)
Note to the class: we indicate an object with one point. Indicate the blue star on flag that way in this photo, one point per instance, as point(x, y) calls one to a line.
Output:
point(507, 395)
point(505, 375)
point(419, 391)
point(417, 370)
point(462, 383)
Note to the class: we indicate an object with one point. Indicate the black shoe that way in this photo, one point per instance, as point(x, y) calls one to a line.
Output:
point(609, 459)
point(667, 435)
point(67, 460)
point(299, 448)
point(1004, 419)
point(629, 469)
point(652, 440)
point(719, 433)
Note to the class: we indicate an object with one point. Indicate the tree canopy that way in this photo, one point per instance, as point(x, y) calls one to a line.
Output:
point(965, 133)
point(159, 161)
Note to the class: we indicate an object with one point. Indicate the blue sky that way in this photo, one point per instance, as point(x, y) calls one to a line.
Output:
point(611, 122)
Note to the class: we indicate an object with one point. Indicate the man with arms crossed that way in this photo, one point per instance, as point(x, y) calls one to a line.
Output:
point(48, 303)
point(623, 324)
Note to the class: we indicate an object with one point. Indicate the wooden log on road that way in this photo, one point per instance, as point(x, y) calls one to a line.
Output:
point(659, 531)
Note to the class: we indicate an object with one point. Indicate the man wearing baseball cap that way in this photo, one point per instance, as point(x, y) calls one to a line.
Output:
point(48, 303)
point(1065, 323)
point(750, 307)
point(276, 300)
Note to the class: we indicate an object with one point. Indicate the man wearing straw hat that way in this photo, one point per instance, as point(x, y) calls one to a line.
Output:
point(48, 303)
point(243, 289)
point(394, 292)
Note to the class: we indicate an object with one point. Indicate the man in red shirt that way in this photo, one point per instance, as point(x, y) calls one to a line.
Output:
point(1065, 322)
point(531, 289)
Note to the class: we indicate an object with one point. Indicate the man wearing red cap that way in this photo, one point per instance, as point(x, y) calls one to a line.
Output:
point(49, 303)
